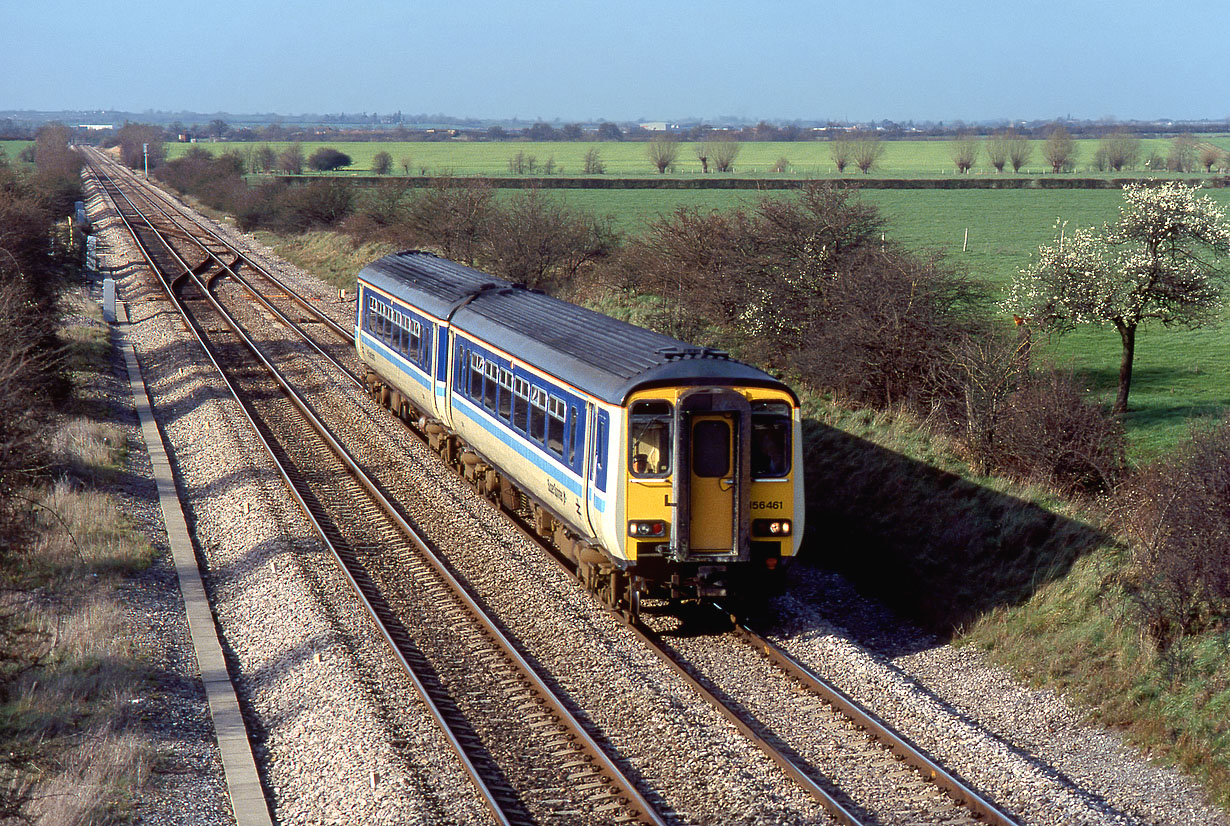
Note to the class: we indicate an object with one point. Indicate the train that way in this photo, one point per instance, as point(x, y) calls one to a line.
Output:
point(656, 468)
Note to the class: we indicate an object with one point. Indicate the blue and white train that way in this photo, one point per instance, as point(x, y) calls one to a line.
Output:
point(656, 467)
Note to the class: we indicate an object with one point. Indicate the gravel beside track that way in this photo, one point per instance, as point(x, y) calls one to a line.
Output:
point(340, 736)
point(343, 740)
point(1028, 749)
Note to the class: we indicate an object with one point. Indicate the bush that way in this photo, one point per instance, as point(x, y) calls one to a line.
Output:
point(1176, 515)
point(382, 163)
point(1052, 432)
point(326, 159)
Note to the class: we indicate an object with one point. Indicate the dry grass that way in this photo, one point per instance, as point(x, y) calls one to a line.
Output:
point(69, 750)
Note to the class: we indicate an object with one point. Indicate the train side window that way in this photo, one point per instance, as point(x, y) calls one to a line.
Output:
point(771, 448)
point(557, 411)
point(489, 386)
point(650, 423)
point(538, 414)
point(521, 413)
point(414, 341)
point(506, 395)
point(476, 377)
point(572, 437)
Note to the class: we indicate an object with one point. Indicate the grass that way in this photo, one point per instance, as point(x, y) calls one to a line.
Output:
point(904, 158)
point(69, 670)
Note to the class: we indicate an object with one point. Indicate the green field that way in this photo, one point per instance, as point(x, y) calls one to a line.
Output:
point(11, 149)
point(921, 158)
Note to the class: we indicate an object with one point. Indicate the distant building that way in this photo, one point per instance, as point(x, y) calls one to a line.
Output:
point(96, 127)
point(659, 126)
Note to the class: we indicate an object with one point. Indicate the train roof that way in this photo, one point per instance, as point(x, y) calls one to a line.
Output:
point(603, 356)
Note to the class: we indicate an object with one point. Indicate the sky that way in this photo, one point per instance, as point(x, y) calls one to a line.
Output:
point(638, 60)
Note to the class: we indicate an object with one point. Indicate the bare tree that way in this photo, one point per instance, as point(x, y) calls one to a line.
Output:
point(537, 240)
point(1210, 155)
point(662, 151)
point(290, 160)
point(593, 162)
point(704, 151)
point(1060, 149)
point(997, 150)
point(964, 152)
point(1120, 149)
point(866, 151)
point(455, 216)
point(1020, 149)
point(840, 150)
point(139, 141)
point(1182, 154)
point(406, 164)
point(382, 163)
point(725, 150)
point(264, 159)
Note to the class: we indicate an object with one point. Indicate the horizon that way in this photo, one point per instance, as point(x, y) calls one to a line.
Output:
point(953, 60)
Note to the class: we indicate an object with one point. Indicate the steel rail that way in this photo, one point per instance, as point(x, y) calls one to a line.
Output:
point(894, 740)
point(468, 766)
point(345, 333)
point(647, 813)
point(232, 269)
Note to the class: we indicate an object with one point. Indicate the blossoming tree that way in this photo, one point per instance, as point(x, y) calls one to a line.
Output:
point(1162, 260)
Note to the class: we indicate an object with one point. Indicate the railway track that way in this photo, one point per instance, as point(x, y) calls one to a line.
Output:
point(806, 769)
point(529, 756)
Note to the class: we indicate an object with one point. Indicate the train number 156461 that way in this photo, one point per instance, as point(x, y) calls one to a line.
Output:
point(766, 506)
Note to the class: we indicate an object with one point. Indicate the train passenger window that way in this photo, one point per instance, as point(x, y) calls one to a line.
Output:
point(538, 414)
point(476, 377)
point(489, 386)
point(771, 450)
point(555, 426)
point(414, 341)
point(521, 413)
point(649, 438)
point(506, 395)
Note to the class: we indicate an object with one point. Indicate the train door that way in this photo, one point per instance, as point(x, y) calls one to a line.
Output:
point(713, 473)
point(712, 484)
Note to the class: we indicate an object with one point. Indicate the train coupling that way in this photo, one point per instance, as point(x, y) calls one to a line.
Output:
point(711, 581)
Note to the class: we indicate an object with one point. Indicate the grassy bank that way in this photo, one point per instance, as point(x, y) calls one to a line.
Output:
point(70, 672)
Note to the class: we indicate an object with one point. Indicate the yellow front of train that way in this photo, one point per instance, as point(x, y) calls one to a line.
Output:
point(713, 484)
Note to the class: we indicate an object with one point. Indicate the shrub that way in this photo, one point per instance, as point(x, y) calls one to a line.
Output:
point(1053, 432)
point(1176, 515)
point(382, 163)
point(326, 159)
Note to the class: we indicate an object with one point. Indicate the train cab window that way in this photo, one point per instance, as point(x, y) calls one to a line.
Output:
point(476, 377)
point(649, 438)
point(538, 414)
point(555, 426)
point(771, 449)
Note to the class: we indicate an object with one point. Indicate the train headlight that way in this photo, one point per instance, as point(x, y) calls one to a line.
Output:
point(647, 527)
point(771, 527)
